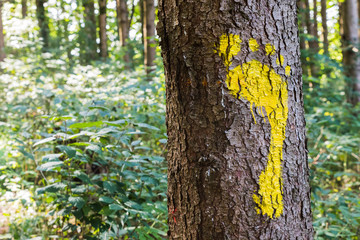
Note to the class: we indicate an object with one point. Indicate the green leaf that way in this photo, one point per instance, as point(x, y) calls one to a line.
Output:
point(110, 186)
point(145, 125)
point(133, 205)
point(134, 143)
point(94, 148)
point(50, 165)
point(51, 188)
point(105, 199)
point(70, 152)
point(46, 140)
point(82, 176)
point(51, 157)
point(77, 202)
point(86, 124)
point(117, 123)
point(116, 207)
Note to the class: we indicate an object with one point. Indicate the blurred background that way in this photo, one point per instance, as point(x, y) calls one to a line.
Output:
point(82, 119)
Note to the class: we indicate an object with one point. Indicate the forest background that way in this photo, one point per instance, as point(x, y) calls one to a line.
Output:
point(82, 119)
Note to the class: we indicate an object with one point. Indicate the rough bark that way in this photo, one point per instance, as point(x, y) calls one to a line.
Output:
point(123, 25)
point(350, 48)
point(102, 29)
point(43, 23)
point(2, 38)
point(149, 33)
point(24, 8)
point(90, 31)
point(324, 26)
point(217, 152)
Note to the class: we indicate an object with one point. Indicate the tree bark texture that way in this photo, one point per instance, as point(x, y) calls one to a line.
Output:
point(90, 30)
point(237, 159)
point(102, 29)
point(324, 26)
point(123, 25)
point(24, 8)
point(43, 23)
point(350, 48)
point(2, 37)
point(149, 33)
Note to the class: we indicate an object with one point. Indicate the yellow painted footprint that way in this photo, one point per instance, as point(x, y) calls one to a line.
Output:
point(263, 88)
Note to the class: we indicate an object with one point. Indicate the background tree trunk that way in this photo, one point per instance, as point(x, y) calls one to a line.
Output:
point(2, 38)
point(149, 33)
point(141, 2)
point(90, 31)
point(316, 32)
point(314, 44)
point(222, 131)
point(102, 29)
point(324, 27)
point(123, 25)
point(24, 8)
point(350, 49)
point(43, 23)
point(302, 19)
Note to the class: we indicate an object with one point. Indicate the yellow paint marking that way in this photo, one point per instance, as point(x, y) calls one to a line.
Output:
point(229, 47)
point(254, 46)
point(270, 49)
point(287, 70)
point(281, 61)
point(263, 88)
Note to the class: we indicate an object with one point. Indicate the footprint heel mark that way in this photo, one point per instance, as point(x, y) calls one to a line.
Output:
point(265, 89)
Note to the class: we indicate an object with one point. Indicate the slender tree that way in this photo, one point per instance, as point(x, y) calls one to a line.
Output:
point(24, 8)
point(122, 16)
point(315, 26)
point(2, 38)
point(324, 26)
point(102, 29)
point(350, 43)
point(311, 31)
point(302, 20)
point(149, 34)
point(90, 31)
point(43, 23)
point(237, 162)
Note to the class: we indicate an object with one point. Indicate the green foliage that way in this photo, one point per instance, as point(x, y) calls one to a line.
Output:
point(93, 143)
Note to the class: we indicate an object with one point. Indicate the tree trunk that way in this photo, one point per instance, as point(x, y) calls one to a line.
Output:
point(149, 33)
point(102, 29)
point(324, 26)
point(2, 38)
point(43, 23)
point(90, 30)
point(123, 25)
point(350, 49)
point(24, 8)
point(302, 19)
point(237, 161)
point(141, 2)
point(316, 32)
